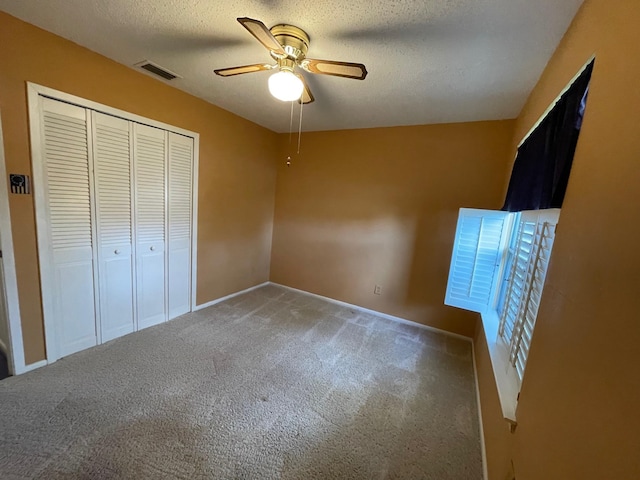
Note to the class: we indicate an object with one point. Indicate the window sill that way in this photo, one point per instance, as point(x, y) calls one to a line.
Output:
point(503, 372)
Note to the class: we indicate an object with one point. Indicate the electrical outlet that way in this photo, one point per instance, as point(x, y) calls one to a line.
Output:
point(377, 290)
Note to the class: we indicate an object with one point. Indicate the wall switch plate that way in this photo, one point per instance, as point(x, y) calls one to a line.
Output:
point(377, 290)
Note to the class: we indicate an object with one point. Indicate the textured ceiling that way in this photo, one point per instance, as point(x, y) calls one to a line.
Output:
point(429, 61)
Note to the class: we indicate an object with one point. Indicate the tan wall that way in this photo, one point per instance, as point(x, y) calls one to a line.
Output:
point(379, 206)
point(578, 412)
point(237, 174)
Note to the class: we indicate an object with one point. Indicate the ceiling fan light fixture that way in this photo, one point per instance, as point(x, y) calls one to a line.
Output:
point(285, 86)
point(288, 45)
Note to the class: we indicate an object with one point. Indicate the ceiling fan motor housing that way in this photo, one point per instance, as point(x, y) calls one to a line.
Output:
point(295, 42)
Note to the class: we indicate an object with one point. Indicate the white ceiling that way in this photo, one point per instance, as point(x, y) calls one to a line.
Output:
point(429, 61)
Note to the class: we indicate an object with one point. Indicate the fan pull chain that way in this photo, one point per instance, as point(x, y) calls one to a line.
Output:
point(300, 126)
point(291, 123)
point(290, 132)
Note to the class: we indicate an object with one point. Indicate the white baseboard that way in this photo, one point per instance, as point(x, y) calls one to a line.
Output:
point(380, 314)
point(213, 302)
point(33, 366)
point(483, 446)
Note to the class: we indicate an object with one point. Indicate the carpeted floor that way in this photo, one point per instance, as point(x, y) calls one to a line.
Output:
point(271, 384)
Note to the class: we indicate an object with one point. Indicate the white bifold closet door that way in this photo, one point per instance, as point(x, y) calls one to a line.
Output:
point(68, 220)
point(112, 166)
point(180, 182)
point(114, 203)
point(150, 154)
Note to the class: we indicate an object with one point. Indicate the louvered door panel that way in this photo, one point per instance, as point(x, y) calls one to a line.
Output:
point(480, 238)
point(149, 164)
point(112, 165)
point(69, 219)
point(180, 185)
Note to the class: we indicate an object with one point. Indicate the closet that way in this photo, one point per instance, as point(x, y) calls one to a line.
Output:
point(114, 210)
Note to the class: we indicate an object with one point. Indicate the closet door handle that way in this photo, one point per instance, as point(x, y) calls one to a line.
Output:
point(152, 248)
point(116, 251)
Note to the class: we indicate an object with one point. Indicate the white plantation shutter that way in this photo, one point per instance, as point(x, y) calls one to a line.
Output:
point(536, 232)
point(477, 252)
point(179, 226)
point(518, 279)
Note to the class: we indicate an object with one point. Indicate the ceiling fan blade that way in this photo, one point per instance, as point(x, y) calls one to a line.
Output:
point(263, 35)
point(307, 96)
point(338, 69)
point(229, 72)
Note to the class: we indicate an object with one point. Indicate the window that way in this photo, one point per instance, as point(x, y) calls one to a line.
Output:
point(527, 263)
point(498, 269)
point(500, 259)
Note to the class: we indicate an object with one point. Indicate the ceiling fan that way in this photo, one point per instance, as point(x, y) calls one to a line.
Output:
point(288, 46)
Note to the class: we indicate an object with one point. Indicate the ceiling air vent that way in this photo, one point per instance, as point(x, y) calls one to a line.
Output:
point(157, 70)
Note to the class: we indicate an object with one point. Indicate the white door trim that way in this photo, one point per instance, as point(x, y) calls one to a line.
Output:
point(16, 347)
point(34, 91)
point(194, 220)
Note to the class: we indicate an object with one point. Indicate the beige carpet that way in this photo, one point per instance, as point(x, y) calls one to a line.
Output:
point(271, 384)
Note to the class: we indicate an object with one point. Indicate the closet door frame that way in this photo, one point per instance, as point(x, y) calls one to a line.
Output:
point(34, 94)
point(15, 348)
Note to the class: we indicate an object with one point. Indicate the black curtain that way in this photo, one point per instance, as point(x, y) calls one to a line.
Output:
point(541, 171)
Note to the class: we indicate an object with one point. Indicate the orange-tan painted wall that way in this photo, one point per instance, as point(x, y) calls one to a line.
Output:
point(578, 411)
point(360, 208)
point(237, 176)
